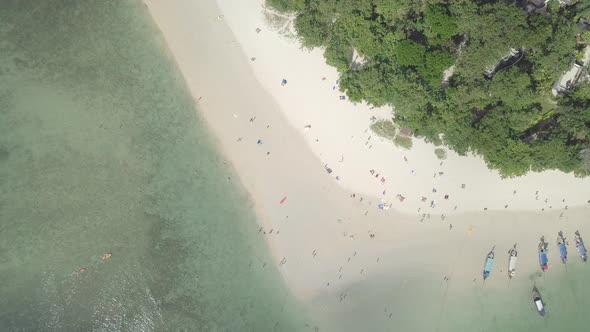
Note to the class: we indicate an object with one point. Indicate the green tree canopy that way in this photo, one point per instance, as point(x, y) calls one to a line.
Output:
point(409, 53)
point(509, 117)
point(438, 24)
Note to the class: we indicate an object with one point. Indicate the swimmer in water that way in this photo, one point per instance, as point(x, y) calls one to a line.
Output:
point(106, 256)
point(82, 270)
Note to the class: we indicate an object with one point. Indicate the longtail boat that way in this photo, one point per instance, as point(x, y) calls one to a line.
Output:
point(581, 247)
point(512, 262)
point(562, 247)
point(538, 301)
point(543, 260)
point(488, 267)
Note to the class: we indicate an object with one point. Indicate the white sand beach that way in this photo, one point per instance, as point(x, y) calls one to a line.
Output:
point(325, 241)
point(341, 128)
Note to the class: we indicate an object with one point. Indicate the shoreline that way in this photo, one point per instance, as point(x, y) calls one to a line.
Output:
point(324, 240)
point(341, 128)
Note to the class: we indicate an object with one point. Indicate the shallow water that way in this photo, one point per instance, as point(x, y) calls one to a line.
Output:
point(101, 150)
point(412, 296)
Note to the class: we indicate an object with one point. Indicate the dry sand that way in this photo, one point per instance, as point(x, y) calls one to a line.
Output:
point(320, 236)
point(341, 129)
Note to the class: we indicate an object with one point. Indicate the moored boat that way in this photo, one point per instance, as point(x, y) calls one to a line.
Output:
point(538, 301)
point(512, 262)
point(488, 267)
point(581, 247)
point(562, 247)
point(543, 260)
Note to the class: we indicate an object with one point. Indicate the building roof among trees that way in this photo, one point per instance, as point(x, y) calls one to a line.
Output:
point(568, 79)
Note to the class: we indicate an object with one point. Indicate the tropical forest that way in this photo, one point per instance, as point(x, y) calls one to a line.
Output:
point(506, 80)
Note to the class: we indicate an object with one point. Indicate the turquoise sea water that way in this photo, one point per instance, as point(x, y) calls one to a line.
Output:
point(417, 302)
point(101, 150)
point(413, 296)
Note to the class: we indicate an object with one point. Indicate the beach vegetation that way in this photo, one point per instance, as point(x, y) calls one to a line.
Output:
point(404, 142)
point(384, 128)
point(498, 101)
point(440, 153)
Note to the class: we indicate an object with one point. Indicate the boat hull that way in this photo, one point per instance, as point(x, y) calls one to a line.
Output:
point(538, 301)
point(543, 261)
point(488, 268)
point(582, 250)
point(512, 266)
point(563, 252)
